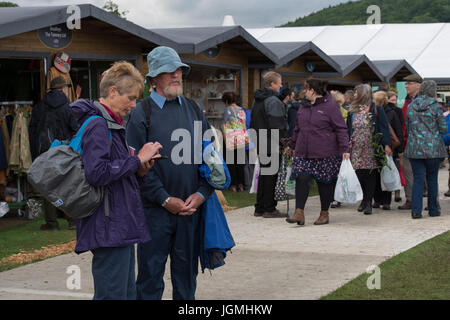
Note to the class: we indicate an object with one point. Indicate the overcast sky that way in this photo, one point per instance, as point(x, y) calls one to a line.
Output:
point(200, 13)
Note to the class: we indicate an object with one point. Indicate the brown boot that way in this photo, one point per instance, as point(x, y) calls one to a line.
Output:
point(323, 218)
point(299, 217)
point(406, 206)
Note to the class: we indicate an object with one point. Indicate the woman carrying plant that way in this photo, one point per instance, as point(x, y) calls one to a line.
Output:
point(370, 142)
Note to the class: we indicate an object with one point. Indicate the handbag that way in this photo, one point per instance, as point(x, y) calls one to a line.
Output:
point(280, 187)
point(395, 141)
point(235, 133)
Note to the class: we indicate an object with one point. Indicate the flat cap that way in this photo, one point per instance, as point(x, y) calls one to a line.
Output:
point(413, 78)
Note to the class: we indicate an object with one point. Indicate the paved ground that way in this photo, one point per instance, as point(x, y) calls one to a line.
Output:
point(271, 260)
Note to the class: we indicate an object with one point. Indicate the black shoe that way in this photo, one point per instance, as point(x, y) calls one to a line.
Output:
point(416, 216)
point(361, 206)
point(386, 207)
point(399, 199)
point(368, 209)
point(437, 214)
point(375, 205)
point(258, 214)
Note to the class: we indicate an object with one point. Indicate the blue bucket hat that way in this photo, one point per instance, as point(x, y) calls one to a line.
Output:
point(164, 59)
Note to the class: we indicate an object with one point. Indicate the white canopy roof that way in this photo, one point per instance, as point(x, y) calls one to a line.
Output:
point(425, 46)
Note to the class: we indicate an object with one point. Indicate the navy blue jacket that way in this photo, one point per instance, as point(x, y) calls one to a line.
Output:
point(168, 179)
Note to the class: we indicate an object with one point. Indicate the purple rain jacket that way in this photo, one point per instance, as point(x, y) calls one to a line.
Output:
point(107, 163)
point(320, 130)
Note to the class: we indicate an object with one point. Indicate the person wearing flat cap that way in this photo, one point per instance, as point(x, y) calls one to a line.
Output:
point(412, 85)
point(173, 191)
point(52, 119)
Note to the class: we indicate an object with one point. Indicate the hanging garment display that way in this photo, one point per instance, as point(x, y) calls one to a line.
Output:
point(20, 155)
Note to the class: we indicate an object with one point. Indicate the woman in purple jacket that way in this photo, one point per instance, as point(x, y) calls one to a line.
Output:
point(118, 223)
point(320, 139)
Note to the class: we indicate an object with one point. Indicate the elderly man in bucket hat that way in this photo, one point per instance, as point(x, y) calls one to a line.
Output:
point(172, 193)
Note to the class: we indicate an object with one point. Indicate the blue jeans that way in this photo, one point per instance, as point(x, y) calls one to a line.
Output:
point(422, 168)
point(113, 272)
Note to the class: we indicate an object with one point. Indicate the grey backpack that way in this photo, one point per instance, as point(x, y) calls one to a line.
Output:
point(58, 174)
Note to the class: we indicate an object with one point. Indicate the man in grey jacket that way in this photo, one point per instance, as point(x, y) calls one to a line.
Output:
point(268, 113)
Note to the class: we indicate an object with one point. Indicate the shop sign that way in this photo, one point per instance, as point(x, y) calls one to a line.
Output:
point(443, 88)
point(56, 37)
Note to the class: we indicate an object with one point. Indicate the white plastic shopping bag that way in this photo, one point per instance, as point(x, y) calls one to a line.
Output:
point(390, 178)
point(254, 187)
point(290, 184)
point(348, 188)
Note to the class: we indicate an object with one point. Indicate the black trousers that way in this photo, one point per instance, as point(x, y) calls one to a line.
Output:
point(381, 197)
point(302, 192)
point(368, 180)
point(236, 170)
point(265, 195)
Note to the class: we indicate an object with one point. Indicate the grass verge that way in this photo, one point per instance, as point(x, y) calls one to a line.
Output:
point(421, 273)
point(26, 243)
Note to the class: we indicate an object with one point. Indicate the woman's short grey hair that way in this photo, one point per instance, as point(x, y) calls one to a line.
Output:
point(428, 88)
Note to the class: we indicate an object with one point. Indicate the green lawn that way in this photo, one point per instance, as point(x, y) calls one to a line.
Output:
point(28, 237)
point(422, 273)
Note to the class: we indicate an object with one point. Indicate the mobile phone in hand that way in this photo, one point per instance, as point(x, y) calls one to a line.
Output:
point(160, 158)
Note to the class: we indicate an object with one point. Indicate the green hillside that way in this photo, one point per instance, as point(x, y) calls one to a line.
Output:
point(398, 11)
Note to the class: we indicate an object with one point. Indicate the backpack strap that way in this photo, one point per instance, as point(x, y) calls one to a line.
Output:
point(196, 108)
point(148, 111)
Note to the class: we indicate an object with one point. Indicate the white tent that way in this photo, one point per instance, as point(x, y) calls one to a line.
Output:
point(426, 47)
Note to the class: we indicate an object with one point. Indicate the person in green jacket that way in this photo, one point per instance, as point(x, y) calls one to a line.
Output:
point(425, 148)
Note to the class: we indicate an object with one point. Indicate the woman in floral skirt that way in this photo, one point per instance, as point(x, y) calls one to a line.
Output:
point(320, 138)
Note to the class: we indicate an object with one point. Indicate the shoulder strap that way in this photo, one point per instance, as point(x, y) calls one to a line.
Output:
point(148, 111)
point(196, 108)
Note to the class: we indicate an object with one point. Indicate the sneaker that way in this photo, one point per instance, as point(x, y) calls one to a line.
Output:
point(275, 214)
point(48, 227)
point(335, 204)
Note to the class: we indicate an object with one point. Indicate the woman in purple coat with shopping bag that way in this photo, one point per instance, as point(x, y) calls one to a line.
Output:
point(320, 139)
point(119, 222)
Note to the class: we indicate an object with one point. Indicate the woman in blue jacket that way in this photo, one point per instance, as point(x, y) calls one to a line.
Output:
point(111, 232)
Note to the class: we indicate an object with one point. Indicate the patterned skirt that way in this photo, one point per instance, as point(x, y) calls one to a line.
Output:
point(323, 170)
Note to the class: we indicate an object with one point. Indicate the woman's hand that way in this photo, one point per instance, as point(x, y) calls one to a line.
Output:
point(346, 156)
point(388, 150)
point(148, 151)
point(145, 167)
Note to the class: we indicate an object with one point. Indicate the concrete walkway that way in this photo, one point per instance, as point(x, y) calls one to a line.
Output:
point(271, 260)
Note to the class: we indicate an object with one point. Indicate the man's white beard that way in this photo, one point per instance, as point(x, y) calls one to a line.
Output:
point(172, 93)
